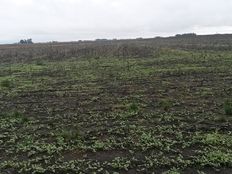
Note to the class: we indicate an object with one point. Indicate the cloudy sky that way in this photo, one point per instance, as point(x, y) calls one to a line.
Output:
point(69, 20)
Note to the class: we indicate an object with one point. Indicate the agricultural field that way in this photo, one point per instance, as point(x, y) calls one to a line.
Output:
point(169, 112)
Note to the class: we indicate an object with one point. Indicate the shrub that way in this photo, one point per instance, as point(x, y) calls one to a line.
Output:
point(228, 107)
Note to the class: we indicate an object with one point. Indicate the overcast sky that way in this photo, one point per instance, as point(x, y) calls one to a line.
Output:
point(69, 20)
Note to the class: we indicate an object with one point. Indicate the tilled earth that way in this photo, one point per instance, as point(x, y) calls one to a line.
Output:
point(109, 115)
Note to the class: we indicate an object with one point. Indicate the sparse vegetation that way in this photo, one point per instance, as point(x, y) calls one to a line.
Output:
point(116, 107)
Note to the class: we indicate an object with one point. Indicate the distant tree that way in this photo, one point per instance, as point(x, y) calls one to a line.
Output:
point(22, 41)
point(26, 41)
point(29, 41)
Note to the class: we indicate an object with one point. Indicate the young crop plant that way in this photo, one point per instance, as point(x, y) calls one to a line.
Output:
point(172, 171)
point(165, 104)
point(6, 83)
point(228, 107)
point(133, 108)
point(70, 135)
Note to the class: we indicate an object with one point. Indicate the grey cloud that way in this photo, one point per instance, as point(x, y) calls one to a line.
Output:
point(64, 20)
